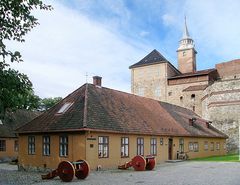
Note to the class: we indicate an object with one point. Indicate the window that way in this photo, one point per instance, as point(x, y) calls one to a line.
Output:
point(103, 147)
point(212, 146)
point(31, 145)
point(181, 98)
point(2, 145)
point(153, 146)
point(63, 146)
point(190, 146)
point(140, 91)
point(184, 53)
point(65, 107)
point(157, 91)
point(16, 145)
point(224, 146)
point(193, 97)
point(161, 141)
point(195, 147)
point(46, 145)
point(124, 147)
point(206, 145)
point(181, 145)
point(169, 93)
point(140, 146)
point(217, 146)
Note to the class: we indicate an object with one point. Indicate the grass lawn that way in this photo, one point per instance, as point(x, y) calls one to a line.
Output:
point(225, 158)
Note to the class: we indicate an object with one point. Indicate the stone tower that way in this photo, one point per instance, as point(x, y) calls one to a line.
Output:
point(186, 53)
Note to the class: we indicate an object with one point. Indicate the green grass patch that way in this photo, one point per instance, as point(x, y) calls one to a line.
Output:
point(224, 158)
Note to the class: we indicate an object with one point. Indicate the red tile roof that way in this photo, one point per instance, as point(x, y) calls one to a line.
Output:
point(102, 109)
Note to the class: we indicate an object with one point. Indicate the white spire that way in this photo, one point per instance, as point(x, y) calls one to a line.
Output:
point(185, 31)
point(186, 42)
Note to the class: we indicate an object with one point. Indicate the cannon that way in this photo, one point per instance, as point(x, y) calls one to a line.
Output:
point(139, 163)
point(67, 170)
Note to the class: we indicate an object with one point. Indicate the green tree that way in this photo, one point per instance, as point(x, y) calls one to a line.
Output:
point(47, 103)
point(16, 20)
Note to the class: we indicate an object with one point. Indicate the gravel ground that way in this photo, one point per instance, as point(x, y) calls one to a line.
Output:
point(183, 173)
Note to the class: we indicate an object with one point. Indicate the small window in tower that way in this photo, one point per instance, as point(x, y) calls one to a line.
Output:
point(193, 108)
point(65, 107)
point(181, 98)
point(157, 91)
point(193, 97)
point(184, 53)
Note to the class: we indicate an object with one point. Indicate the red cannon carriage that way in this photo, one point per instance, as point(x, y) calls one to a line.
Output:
point(139, 163)
point(67, 170)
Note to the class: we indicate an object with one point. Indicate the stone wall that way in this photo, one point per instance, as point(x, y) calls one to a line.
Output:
point(221, 105)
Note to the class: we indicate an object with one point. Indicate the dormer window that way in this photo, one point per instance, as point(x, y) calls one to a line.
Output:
point(64, 108)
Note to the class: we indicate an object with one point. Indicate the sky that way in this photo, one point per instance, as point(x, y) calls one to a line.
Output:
point(79, 39)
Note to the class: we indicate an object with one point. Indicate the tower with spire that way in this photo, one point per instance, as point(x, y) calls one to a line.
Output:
point(186, 52)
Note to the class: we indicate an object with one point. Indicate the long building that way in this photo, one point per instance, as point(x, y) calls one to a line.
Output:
point(107, 127)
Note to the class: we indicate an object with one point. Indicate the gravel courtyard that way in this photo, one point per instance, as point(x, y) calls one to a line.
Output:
point(183, 173)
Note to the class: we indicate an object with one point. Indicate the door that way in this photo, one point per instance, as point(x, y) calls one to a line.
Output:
point(170, 143)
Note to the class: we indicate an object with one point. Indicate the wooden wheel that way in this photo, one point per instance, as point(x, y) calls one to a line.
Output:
point(66, 171)
point(150, 163)
point(82, 169)
point(139, 163)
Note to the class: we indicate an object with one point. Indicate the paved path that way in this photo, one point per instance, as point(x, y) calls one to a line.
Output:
point(183, 173)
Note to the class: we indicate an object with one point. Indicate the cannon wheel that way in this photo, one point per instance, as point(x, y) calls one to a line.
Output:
point(150, 164)
point(139, 163)
point(82, 169)
point(66, 171)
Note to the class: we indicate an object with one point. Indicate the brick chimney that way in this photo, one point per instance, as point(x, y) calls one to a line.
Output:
point(192, 121)
point(97, 80)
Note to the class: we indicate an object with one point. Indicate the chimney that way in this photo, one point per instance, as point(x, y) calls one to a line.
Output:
point(208, 124)
point(97, 80)
point(192, 121)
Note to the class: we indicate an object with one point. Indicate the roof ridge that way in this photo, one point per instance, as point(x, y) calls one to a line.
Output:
point(85, 107)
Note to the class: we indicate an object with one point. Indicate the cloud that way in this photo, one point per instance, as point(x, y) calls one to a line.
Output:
point(67, 45)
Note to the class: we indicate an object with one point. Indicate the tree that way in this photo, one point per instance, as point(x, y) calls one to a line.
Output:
point(16, 20)
point(47, 103)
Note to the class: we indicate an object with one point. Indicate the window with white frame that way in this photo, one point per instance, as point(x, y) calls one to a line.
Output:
point(212, 146)
point(140, 146)
point(205, 145)
point(153, 146)
point(124, 147)
point(217, 146)
point(195, 146)
point(140, 91)
point(46, 145)
point(31, 145)
point(2, 145)
point(161, 141)
point(181, 145)
point(103, 146)
point(63, 146)
point(190, 146)
point(157, 91)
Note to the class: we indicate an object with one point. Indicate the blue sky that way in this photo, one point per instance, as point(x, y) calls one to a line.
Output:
point(105, 37)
